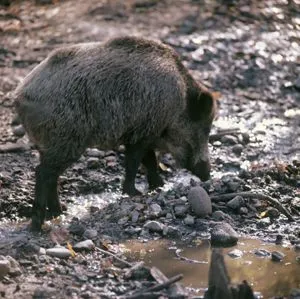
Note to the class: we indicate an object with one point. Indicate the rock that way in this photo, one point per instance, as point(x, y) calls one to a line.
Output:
point(43, 293)
point(272, 213)
point(279, 239)
point(262, 252)
point(199, 201)
point(224, 235)
point(135, 216)
point(123, 220)
point(42, 251)
point(84, 245)
point(229, 139)
point(4, 267)
point(90, 234)
point(93, 163)
point(14, 267)
point(243, 210)
point(155, 209)
point(297, 247)
point(180, 210)
point(173, 232)
point(189, 220)
point(19, 131)
point(220, 215)
point(59, 252)
point(235, 253)
point(94, 152)
point(154, 226)
point(237, 149)
point(277, 256)
point(295, 293)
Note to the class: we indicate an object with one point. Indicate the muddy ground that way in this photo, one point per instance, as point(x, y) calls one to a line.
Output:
point(247, 51)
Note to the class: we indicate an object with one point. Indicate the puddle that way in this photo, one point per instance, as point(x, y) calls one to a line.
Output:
point(266, 277)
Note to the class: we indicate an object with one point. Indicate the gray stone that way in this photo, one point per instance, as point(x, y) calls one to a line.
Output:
point(84, 245)
point(229, 139)
point(235, 253)
point(43, 292)
point(19, 131)
point(14, 267)
point(237, 149)
point(174, 232)
point(94, 152)
point(199, 201)
point(262, 252)
point(4, 268)
point(154, 226)
point(155, 209)
point(135, 216)
point(224, 235)
point(93, 163)
point(180, 210)
point(90, 234)
point(236, 203)
point(220, 215)
point(189, 220)
point(59, 252)
point(277, 256)
point(294, 293)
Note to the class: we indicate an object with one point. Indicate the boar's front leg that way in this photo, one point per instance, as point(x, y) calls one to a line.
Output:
point(150, 162)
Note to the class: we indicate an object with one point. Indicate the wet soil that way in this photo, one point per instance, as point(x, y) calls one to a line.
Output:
point(248, 52)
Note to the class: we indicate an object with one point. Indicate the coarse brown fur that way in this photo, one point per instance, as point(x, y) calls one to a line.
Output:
point(128, 91)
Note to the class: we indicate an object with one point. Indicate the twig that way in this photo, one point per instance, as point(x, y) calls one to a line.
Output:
point(192, 261)
point(114, 256)
point(271, 200)
point(155, 288)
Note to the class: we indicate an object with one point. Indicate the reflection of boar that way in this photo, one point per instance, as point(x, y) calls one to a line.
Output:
point(127, 91)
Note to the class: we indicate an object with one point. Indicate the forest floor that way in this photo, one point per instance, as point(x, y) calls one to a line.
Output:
point(247, 51)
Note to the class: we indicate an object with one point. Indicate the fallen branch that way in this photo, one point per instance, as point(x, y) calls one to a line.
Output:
point(114, 256)
point(192, 261)
point(155, 288)
point(271, 200)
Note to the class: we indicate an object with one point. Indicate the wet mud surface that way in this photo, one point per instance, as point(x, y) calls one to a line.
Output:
point(248, 53)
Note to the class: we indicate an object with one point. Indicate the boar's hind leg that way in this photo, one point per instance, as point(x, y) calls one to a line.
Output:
point(51, 166)
point(150, 163)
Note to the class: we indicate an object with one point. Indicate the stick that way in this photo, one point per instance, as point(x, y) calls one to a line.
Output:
point(155, 288)
point(114, 256)
point(271, 200)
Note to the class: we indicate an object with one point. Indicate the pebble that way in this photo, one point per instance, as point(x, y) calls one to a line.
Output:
point(154, 226)
point(297, 247)
point(229, 139)
point(189, 220)
point(84, 245)
point(135, 216)
point(155, 209)
point(4, 268)
point(174, 232)
point(93, 163)
point(199, 201)
point(235, 253)
point(244, 210)
point(19, 131)
point(94, 152)
point(14, 267)
point(223, 234)
point(262, 252)
point(180, 210)
point(236, 203)
point(220, 215)
point(90, 234)
point(59, 252)
point(277, 256)
point(237, 149)
point(43, 292)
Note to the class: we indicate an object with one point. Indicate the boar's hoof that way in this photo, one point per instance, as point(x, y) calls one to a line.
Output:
point(155, 182)
point(131, 190)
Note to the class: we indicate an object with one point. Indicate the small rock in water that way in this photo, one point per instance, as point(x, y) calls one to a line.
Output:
point(90, 234)
point(84, 245)
point(262, 252)
point(224, 235)
point(277, 256)
point(235, 253)
point(59, 252)
point(154, 226)
point(236, 202)
point(19, 131)
point(155, 209)
point(189, 220)
point(199, 201)
point(180, 210)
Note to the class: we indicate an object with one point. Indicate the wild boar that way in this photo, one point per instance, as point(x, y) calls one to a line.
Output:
point(129, 91)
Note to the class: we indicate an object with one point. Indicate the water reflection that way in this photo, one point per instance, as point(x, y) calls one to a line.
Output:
point(267, 277)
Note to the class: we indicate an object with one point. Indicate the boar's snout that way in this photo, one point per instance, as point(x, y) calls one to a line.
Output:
point(202, 170)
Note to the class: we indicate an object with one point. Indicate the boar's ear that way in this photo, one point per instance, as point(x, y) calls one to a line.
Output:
point(201, 105)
